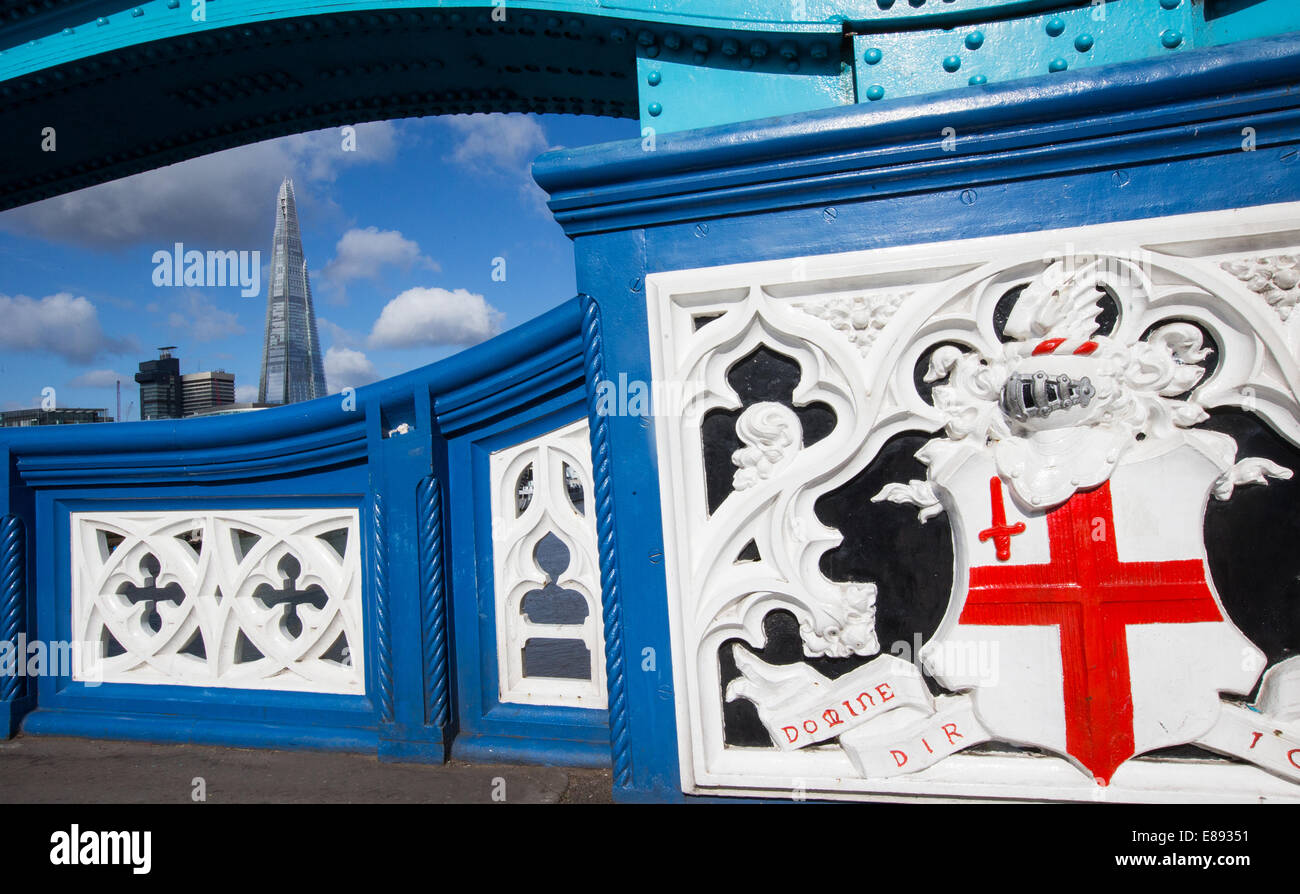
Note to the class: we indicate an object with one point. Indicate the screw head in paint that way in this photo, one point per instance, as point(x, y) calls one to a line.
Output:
point(1055, 27)
point(1083, 43)
point(653, 79)
point(974, 40)
point(1058, 64)
point(655, 109)
point(1171, 39)
point(872, 56)
point(875, 92)
point(952, 63)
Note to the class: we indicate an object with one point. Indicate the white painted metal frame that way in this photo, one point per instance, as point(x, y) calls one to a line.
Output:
point(841, 317)
point(515, 536)
point(218, 582)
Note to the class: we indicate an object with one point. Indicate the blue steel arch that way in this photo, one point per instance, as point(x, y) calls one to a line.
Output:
point(131, 87)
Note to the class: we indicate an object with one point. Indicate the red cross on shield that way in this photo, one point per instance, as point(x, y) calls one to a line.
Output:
point(1091, 629)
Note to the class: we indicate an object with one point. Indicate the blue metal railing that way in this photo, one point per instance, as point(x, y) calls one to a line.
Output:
point(415, 493)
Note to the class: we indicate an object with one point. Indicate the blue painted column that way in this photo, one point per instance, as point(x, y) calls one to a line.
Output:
point(611, 275)
point(17, 692)
point(405, 507)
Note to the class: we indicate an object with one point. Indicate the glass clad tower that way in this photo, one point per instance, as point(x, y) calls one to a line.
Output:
point(292, 366)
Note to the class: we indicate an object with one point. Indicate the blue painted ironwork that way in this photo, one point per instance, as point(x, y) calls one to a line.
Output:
point(1117, 142)
point(341, 451)
point(13, 595)
point(383, 636)
point(546, 392)
point(611, 597)
point(433, 601)
point(1085, 122)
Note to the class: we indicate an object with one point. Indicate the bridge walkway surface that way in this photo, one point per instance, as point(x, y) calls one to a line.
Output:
point(64, 770)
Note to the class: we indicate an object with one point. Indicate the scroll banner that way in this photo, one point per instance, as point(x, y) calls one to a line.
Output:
point(1253, 736)
point(889, 724)
point(800, 707)
point(919, 742)
point(1267, 733)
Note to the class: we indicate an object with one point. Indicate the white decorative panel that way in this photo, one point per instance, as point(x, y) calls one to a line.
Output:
point(1060, 386)
point(550, 646)
point(246, 599)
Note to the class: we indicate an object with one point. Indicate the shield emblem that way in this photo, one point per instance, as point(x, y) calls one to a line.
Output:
point(1071, 423)
point(1091, 629)
point(1083, 620)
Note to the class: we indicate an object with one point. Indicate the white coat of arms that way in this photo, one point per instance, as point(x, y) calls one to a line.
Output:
point(1072, 465)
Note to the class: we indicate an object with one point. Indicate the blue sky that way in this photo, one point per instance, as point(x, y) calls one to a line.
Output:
point(400, 237)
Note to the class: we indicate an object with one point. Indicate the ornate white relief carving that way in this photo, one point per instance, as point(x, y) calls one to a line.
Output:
point(1030, 423)
point(918, 493)
point(541, 493)
point(1276, 279)
point(772, 435)
point(861, 317)
point(247, 599)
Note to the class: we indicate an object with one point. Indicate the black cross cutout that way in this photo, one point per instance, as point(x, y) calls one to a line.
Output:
point(151, 594)
point(290, 596)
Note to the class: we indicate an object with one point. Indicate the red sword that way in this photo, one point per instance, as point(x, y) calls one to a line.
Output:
point(1000, 532)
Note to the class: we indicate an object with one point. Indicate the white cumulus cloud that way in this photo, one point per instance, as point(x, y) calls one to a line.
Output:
point(61, 324)
point(501, 145)
point(363, 253)
point(432, 317)
point(501, 141)
point(346, 368)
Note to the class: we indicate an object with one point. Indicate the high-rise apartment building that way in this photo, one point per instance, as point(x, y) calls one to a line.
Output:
point(160, 386)
point(203, 391)
point(292, 366)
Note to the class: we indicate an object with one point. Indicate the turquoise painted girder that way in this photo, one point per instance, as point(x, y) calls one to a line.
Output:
point(893, 64)
point(102, 27)
point(75, 30)
point(683, 64)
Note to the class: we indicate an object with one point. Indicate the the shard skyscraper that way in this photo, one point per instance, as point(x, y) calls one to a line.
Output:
point(292, 366)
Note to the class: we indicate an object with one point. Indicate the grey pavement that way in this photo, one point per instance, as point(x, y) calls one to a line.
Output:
point(57, 770)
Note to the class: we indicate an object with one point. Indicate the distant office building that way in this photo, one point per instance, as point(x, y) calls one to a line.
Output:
point(292, 366)
point(231, 409)
point(160, 386)
point(57, 416)
point(205, 391)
